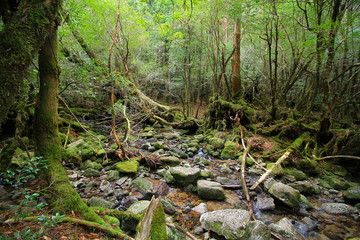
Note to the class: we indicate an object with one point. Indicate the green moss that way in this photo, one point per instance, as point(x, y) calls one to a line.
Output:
point(229, 151)
point(278, 171)
point(127, 166)
point(158, 226)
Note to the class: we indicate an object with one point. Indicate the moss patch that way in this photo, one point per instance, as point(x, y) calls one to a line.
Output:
point(127, 166)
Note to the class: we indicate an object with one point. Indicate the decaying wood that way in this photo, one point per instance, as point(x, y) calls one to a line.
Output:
point(145, 223)
point(295, 145)
point(339, 156)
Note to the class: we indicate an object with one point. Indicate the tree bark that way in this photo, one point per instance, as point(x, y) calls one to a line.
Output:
point(23, 35)
point(236, 79)
point(46, 133)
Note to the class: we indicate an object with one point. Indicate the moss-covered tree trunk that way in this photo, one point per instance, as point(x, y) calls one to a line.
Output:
point(46, 133)
point(24, 33)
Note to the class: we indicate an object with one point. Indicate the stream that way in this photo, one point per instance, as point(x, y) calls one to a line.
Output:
point(186, 207)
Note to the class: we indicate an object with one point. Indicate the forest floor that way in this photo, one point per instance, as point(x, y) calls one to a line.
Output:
point(216, 156)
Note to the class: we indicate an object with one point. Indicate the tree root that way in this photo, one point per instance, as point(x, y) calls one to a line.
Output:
point(106, 229)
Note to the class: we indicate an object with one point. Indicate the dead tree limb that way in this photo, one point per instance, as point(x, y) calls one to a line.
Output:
point(295, 145)
point(243, 182)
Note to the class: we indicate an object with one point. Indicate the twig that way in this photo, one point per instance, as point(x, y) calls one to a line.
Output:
point(244, 187)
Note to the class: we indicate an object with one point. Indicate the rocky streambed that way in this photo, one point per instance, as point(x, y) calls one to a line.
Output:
point(199, 183)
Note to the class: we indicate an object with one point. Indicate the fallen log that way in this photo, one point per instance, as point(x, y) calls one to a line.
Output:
point(294, 146)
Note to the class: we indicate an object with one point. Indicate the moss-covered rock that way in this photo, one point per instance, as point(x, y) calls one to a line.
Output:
point(113, 175)
point(305, 187)
point(91, 173)
point(90, 164)
point(113, 221)
point(99, 202)
point(185, 175)
point(277, 171)
point(352, 193)
point(127, 166)
point(298, 174)
point(338, 183)
point(209, 190)
point(229, 151)
point(169, 160)
point(217, 143)
point(139, 207)
point(145, 186)
point(286, 194)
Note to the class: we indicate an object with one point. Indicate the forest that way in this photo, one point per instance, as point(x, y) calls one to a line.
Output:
point(179, 119)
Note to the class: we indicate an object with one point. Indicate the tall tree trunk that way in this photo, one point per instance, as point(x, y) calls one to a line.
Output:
point(21, 38)
point(236, 79)
point(46, 133)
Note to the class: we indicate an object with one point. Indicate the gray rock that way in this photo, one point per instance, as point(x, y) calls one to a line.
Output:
point(91, 173)
point(285, 230)
point(145, 187)
point(159, 145)
point(185, 175)
point(99, 202)
point(305, 187)
point(225, 169)
point(338, 208)
point(227, 181)
point(113, 175)
point(230, 223)
point(104, 185)
point(352, 193)
point(139, 207)
point(265, 203)
point(145, 146)
point(210, 190)
point(170, 160)
point(286, 194)
point(201, 208)
point(304, 202)
point(75, 144)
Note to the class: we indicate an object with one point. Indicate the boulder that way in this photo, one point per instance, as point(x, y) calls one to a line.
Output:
point(127, 166)
point(352, 193)
point(217, 143)
point(91, 164)
point(305, 187)
point(185, 175)
point(169, 160)
point(338, 208)
point(338, 183)
point(145, 186)
point(258, 231)
point(139, 207)
point(210, 190)
point(230, 223)
point(285, 230)
point(99, 202)
point(286, 194)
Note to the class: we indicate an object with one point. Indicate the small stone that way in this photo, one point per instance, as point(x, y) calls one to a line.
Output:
point(104, 185)
point(169, 206)
point(73, 176)
point(201, 208)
